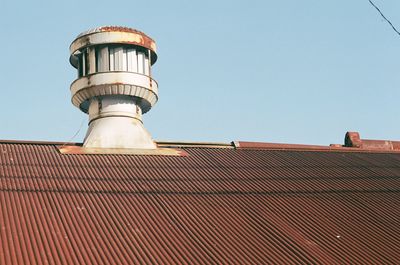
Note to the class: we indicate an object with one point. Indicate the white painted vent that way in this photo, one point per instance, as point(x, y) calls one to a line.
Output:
point(114, 86)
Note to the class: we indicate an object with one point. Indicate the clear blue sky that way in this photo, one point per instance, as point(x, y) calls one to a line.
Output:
point(275, 71)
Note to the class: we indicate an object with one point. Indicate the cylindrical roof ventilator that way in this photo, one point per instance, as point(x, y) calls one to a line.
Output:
point(114, 85)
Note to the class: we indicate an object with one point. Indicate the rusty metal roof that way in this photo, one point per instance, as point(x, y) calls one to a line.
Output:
point(252, 204)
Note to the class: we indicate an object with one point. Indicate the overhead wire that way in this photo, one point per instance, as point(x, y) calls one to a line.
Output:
point(73, 137)
point(384, 17)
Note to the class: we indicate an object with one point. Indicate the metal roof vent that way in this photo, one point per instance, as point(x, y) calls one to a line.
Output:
point(114, 85)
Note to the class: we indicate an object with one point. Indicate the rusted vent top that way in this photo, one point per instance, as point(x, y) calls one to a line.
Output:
point(114, 35)
point(112, 28)
point(352, 139)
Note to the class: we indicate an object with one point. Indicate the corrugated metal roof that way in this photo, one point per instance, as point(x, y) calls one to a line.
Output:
point(216, 206)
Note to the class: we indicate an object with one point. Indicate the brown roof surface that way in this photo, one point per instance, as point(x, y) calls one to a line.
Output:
point(254, 205)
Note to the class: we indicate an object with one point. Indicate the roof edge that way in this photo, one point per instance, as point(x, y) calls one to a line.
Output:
point(194, 144)
point(353, 143)
point(161, 144)
point(301, 147)
point(2, 141)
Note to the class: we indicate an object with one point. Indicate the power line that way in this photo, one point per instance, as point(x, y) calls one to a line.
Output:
point(387, 20)
point(73, 137)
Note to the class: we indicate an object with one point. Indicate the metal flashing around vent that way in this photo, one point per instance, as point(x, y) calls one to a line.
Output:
point(78, 150)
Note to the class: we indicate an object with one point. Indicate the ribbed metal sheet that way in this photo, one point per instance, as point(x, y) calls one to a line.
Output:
point(214, 206)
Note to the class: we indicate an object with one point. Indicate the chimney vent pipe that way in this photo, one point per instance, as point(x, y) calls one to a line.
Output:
point(114, 85)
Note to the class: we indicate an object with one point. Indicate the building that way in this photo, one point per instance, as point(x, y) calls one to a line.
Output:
point(121, 198)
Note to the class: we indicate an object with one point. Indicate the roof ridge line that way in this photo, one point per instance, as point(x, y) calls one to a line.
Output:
point(303, 147)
